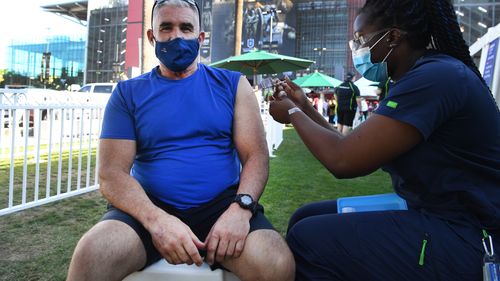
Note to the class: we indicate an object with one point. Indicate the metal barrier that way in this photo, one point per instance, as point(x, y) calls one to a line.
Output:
point(274, 133)
point(48, 145)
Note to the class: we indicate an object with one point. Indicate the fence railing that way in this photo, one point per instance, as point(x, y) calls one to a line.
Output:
point(49, 145)
point(274, 132)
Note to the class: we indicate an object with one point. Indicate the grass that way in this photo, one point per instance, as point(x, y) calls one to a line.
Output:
point(297, 178)
point(37, 244)
point(64, 158)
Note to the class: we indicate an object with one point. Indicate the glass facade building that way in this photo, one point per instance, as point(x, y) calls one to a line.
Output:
point(324, 28)
point(107, 32)
point(323, 31)
point(49, 58)
point(476, 16)
point(318, 30)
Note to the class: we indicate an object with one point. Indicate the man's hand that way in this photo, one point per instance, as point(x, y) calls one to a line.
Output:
point(175, 241)
point(227, 236)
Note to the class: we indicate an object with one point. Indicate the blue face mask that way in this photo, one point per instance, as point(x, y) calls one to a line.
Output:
point(372, 71)
point(177, 54)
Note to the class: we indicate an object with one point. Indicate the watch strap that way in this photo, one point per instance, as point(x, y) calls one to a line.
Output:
point(252, 207)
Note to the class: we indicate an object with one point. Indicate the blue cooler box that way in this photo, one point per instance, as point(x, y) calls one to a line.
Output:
point(379, 202)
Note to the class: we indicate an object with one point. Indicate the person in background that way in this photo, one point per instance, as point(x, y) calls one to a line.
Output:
point(348, 99)
point(371, 107)
point(437, 134)
point(325, 108)
point(383, 88)
point(332, 110)
point(182, 161)
point(363, 108)
point(315, 100)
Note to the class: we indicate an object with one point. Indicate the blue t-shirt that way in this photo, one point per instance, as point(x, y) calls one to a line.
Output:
point(454, 173)
point(183, 130)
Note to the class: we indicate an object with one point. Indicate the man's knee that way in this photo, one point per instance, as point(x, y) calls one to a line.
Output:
point(270, 255)
point(279, 256)
point(91, 244)
point(105, 246)
point(283, 262)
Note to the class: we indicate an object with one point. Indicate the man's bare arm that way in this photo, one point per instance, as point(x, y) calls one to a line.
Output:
point(228, 235)
point(250, 140)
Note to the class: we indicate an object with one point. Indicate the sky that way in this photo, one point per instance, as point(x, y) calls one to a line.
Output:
point(25, 20)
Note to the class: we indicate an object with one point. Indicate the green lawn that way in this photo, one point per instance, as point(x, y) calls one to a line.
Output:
point(37, 244)
point(76, 160)
point(297, 178)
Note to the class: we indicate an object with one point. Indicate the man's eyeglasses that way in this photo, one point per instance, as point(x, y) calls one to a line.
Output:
point(360, 40)
point(191, 3)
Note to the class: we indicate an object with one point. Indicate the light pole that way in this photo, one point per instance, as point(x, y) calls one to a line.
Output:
point(319, 50)
point(46, 61)
point(238, 27)
point(272, 11)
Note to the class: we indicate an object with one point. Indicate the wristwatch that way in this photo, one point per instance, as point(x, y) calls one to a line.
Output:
point(246, 202)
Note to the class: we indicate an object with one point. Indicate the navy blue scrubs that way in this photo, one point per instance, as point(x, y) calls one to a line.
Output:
point(451, 182)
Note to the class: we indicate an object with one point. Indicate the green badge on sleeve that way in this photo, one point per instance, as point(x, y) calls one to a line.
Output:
point(392, 104)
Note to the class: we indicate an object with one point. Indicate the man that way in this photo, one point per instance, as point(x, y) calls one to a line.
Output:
point(170, 152)
point(348, 99)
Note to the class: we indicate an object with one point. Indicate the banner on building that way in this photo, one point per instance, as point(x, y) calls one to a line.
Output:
point(267, 25)
point(206, 26)
point(222, 35)
point(489, 66)
point(270, 26)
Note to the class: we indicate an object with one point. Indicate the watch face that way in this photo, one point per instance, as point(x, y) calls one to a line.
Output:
point(245, 199)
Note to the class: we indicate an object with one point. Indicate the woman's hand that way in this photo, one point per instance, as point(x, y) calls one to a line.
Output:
point(292, 91)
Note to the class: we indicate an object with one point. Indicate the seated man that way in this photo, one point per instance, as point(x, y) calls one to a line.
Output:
point(170, 151)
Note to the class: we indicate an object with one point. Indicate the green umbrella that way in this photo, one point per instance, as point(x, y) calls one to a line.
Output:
point(261, 62)
point(317, 79)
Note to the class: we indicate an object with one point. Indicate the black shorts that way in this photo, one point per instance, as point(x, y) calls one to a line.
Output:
point(345, 117)
point(199, 219)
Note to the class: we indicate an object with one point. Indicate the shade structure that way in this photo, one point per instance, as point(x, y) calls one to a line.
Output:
point(262, 62)
point(317, 79)
point(367, 88)
point(363, 82)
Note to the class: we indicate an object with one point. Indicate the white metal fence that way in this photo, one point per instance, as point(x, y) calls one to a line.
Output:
point(48, 145)
point(274, 132)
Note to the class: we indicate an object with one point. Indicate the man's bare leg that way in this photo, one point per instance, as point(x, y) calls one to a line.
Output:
point(109, 251)
point(346, 130)
point(266, 256)
point(340, 127)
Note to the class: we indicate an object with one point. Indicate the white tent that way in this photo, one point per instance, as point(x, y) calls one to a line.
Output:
point(366, 87)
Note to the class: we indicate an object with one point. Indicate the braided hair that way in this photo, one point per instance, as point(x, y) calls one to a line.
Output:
point(429, 23)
